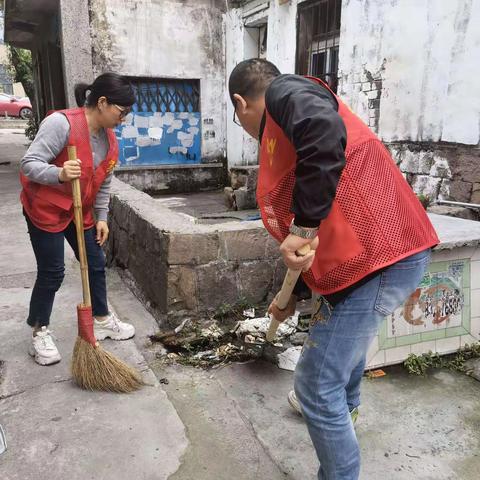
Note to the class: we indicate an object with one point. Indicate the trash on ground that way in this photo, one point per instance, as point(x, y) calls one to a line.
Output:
point(288, 359)
point(206, 344)
point(260, 325)
point(230, 337)
point(375, 373)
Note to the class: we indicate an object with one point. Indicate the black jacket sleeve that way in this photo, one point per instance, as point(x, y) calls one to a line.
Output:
point(308, 115)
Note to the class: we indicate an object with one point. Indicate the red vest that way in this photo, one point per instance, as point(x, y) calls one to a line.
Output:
point(375, 221)
point(50, 207)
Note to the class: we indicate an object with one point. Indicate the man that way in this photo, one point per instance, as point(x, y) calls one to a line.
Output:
point(326, 180)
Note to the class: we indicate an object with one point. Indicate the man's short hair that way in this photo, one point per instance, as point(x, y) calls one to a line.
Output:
point(251, 78)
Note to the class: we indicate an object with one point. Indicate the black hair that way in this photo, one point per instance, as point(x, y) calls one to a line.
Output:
point(115, 88)
point(251, 78)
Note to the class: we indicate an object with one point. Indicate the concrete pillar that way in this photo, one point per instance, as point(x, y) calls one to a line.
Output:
point(76, 46)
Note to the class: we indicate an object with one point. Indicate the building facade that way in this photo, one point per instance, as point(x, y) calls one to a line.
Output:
point(408, 68)
point(172, 51)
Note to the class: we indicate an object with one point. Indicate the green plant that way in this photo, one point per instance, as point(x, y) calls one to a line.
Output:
point(419, 364)
point(227, 311)
point(32, 127)
point(22, 69)
point(425, 200)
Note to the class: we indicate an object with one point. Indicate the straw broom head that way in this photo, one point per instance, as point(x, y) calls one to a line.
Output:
point(93, 368)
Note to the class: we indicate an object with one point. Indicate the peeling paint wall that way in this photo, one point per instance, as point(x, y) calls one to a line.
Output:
point(409, 69)
point(426, 54)
point(281, 40)
point(241, 148)
point(167, 39)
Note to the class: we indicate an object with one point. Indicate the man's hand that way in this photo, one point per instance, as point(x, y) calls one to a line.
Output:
point(282, 315)
point(102, 232)
point(289, 248)
point(71, 169)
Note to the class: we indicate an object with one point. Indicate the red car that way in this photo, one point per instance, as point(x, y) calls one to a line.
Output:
point(14, 106)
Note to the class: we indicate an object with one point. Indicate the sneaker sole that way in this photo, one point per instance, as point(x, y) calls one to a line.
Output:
point(112, 336)
point(294, 405)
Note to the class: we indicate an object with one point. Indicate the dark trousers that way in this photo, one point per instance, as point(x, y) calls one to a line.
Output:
point(49, 252)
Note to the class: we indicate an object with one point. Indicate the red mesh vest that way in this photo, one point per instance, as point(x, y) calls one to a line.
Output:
point(375, 220)
point(50, 207)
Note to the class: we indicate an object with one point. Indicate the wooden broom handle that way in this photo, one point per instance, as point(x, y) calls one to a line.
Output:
point(285, 293)
point(78, 215)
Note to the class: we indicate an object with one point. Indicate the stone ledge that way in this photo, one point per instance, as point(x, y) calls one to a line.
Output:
point(170, 179)
point(455, 232)
point(186, 267)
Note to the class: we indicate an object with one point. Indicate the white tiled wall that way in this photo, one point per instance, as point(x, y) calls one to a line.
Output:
point(378, 358)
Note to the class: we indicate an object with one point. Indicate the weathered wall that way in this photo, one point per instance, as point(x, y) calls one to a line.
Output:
point(76, 46)
point(426, 54)
point(241, 148)
point(409, 69)
point(171, 179)
point(281, 39)
point(167, 39)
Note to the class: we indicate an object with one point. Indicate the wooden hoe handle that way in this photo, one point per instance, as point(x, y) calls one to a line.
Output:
point(283, 296)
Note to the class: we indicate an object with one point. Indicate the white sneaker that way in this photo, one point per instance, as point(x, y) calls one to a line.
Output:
point(113, 328)
point(293, 401)
point(43, 348)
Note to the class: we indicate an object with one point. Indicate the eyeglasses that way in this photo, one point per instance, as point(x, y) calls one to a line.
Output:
point(124, 111)
point(235, 121)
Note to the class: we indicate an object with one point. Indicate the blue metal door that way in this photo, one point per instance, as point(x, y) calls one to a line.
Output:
point(164, 125)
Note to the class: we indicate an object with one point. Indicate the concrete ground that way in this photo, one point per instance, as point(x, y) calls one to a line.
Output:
point(232, 422)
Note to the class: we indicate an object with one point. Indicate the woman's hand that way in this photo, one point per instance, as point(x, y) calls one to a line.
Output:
point(71, 169)
point(289, 248)
point(102, 232)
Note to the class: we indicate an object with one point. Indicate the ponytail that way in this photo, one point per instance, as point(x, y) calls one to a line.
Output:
point(81, 93)
point(115, 88)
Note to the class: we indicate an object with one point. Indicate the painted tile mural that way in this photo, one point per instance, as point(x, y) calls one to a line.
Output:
point(153, 138)
point(439, 308)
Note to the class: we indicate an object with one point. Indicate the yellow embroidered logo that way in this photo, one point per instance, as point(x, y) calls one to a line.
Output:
point(271, 144)
point(111, 164)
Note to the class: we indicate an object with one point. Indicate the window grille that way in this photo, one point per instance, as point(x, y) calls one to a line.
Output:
point(166, 95)
point(318, 38)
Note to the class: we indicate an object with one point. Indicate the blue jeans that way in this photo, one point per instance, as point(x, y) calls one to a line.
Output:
point(331, 366)
point(49, 253)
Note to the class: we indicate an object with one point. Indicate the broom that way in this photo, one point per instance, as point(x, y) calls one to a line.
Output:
point(93, 368)
point(285, 293)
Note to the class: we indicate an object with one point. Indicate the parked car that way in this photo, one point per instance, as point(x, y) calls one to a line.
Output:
point(15, 107)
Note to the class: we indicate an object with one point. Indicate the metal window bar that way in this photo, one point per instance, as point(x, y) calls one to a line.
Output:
point(318, 35)
point(166, 95)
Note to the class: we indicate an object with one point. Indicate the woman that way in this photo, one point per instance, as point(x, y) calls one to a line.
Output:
point(46, 197)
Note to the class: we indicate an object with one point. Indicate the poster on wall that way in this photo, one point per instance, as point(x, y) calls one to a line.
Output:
point(438, 308)
point(153, 138)
point(164, 125)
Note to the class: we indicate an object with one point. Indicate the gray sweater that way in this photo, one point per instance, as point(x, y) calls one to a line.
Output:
point(51, 139)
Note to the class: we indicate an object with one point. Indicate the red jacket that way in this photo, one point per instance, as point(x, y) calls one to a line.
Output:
point(375, 220)
point(50, 207)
